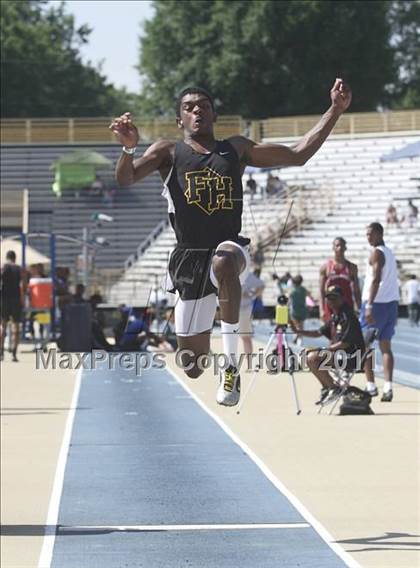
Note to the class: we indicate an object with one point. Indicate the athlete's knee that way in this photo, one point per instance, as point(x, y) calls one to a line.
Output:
point(187, 359)
point(385, 347)
point(194, 372)
point(313, 359)
point(225, 265)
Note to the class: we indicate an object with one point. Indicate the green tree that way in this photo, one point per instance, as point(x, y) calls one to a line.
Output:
point(404, 19)
point(43, 73)
point(268, 58)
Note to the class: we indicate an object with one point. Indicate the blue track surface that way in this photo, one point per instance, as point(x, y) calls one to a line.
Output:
point(144, 453)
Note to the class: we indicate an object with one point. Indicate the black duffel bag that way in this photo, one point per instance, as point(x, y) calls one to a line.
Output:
point(356, 401)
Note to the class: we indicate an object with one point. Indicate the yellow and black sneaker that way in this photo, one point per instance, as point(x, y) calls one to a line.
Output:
point(229, 389)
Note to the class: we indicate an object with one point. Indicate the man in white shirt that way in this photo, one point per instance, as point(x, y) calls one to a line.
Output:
point(251, 289)
point(380, 299)
point(412, 292)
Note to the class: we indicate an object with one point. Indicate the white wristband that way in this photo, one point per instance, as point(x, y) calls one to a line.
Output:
point(368, 306)
point(129, 151)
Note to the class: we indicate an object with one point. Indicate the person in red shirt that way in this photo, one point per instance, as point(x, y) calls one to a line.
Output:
point(339, 271)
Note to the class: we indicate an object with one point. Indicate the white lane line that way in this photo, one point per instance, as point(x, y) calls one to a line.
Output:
point(401, 377)
point(318, 527)
point(141, 528)
point(54, 506)
point(399, 355)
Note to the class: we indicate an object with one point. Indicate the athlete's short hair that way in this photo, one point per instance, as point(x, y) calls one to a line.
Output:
point(11, 255)
point(377, 227)
point(192, 91)
point(341, 239)
point(297, 280)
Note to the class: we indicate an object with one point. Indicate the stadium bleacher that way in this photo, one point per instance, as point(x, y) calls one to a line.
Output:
point(362, 187)
point(359, 186)
point(136, 210)
point(348, 170)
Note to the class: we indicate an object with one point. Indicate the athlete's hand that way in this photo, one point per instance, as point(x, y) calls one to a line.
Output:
point(125, 131)
point(369, 316)
point(340, 96)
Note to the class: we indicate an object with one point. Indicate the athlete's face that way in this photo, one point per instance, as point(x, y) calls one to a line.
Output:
point(373, 237)
point(339, 247)
point(197, 114)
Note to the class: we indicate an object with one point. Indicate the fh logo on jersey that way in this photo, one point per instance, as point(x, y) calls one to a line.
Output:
point(209, 190)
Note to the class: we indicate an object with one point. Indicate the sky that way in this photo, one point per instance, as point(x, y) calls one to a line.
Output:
point(115, 26)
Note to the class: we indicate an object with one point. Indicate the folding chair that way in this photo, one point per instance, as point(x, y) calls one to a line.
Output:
point(342, 377)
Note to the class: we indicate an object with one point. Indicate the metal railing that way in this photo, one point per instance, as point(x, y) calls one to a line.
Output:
point(348, 123)
point(91, 130)
point(95, 130)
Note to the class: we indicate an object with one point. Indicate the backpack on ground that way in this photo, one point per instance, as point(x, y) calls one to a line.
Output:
point(356, 401)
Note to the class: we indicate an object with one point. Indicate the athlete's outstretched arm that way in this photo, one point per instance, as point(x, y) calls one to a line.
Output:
point(156, 157)
point(271, 155)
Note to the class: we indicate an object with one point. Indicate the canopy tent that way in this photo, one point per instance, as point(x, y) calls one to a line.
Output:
point(32, 255)
point(409, 151)
point(77, 170)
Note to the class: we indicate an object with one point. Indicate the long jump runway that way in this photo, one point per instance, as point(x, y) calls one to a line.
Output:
point(151, 480)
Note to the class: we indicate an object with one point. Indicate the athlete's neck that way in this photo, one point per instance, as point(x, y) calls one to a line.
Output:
point(380, 243)
point(202, 144)
point(339, 258)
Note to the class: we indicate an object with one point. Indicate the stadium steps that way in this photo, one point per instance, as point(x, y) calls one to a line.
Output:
point(136, 210)
point(360, 189)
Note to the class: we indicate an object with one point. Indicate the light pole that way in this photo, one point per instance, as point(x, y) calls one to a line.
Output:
point(88, 242)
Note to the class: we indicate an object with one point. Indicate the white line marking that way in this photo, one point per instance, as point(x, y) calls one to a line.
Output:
point(54, 506)
point(67, 528)
point(399, 375)
point(319, 528)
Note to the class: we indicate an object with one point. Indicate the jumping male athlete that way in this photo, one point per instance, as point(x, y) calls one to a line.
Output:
point(203, 186)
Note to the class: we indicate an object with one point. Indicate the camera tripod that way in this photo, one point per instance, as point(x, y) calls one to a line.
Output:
point(280, 333)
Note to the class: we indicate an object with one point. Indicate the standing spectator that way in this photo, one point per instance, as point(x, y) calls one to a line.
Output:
point(252, 288)
point(412, 291)
point(269, 187)
point(391, 215)
point(78, 296)
point(258, 256)
point(411, 214)
point(11, 302)
point(380, 305)
point(340, 272)
point(297, 303)
point(40, 293)
point(62, 291)
point(284, 283)
point(251, 185)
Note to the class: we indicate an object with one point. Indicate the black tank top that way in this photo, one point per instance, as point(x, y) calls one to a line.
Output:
point(10, 281)
point(204, 193)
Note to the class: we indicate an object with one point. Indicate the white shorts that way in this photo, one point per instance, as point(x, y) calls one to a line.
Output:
point(245, 321)
point(196, 316)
